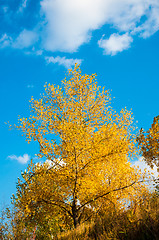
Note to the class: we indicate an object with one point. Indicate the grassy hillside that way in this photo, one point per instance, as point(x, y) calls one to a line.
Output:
point(138, 222)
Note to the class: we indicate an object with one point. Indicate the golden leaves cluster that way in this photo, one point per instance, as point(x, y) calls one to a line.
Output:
point(149, 143)
point(87, 143)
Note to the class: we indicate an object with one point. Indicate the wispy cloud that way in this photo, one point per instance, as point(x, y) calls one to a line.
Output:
point(25, 39)
point(115, 43)
point(5, 9)
point(151, 25)
point(30, 86)
point(21, 159)
point(67, 63)
point(22, 6)
point(5, 41)
point(39, 52)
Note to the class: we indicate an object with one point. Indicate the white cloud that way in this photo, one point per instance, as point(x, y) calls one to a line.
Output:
point(39, 52)
point(116, 43)
point(5, 9)
point(21, 159)
point(30, 86)
point(22, 6)
point(65, 25)
point(34, 52)
point(5, 41)
point(70, 23)
point(151, 25)
point(67, 63)
point(51, 163)
point(25, 39)
point(141, 164)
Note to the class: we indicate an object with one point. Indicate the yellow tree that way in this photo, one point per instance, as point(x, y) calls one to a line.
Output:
point(149, 143)
point(88, 145)
point(32, 215)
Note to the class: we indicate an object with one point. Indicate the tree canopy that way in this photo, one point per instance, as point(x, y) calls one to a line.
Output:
point(149, 143)
point(88, 147)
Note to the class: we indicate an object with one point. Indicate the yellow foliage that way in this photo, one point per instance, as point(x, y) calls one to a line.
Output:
point(149, 143)
point(89, 146)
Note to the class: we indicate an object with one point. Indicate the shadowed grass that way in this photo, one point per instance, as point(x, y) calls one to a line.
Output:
point(139, 222)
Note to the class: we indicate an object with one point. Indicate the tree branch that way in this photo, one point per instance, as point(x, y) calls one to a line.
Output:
point(100, 196)
point(74, 191)
point(56, 204)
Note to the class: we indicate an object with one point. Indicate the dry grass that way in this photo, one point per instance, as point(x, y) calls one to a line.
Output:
point(139, 222)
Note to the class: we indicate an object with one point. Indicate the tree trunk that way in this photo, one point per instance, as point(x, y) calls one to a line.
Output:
point(75, 214)
point(75, 221)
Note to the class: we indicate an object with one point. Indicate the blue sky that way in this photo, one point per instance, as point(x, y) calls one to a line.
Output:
point(40, 40)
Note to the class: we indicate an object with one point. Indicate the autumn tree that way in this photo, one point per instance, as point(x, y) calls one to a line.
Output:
point(149, 143)
point(88, 146)
point(32, 213)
